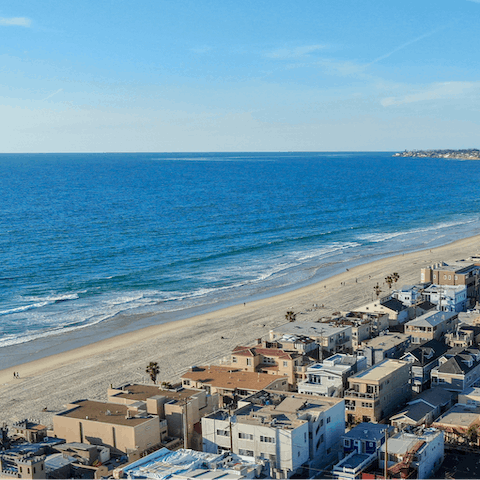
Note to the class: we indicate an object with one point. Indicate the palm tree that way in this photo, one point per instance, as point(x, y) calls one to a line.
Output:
point(389, 280)
point(377, 289)
point(153, 370)
point(290, 316)
point(395, 277)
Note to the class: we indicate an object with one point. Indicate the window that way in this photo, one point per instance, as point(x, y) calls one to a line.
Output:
point(285, 364)
point(346, 442)
point(329, 419)
point(234, 359)
point(223, 433)
point(249, 361)
point(304, 436)
point(245, 436)
point(246, 453)
point(434, 276)
point(267, 439)
point(186, 382)
point(321, 422)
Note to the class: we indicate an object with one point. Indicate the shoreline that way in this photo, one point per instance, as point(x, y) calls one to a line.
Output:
point(87, 371)
point(131, 321)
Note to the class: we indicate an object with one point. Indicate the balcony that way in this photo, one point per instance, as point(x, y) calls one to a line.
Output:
point(354, 393)
point(341, 341)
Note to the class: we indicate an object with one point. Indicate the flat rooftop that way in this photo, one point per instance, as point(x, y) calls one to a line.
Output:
point(278, 409)
point(102, 412)
point(380, 370)
point(431, 319)
point(460, 415)
point(230, 378)
point(386, 341)
point(143, 392)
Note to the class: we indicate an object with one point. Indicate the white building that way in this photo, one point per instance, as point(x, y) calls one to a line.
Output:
point(164, 464)
point(410, 294)
point(288, 432)
point(422, 453)
point(329, 378)
point(447, 298)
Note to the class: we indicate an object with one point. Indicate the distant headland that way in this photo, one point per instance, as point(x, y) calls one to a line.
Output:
point(468, 154)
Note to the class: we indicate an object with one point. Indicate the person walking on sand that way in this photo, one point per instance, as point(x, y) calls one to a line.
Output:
point(14, 374)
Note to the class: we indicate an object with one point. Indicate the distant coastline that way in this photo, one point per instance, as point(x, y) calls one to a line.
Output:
point(468, 154)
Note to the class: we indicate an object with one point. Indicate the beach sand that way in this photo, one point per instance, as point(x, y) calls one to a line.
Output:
point(88, 371)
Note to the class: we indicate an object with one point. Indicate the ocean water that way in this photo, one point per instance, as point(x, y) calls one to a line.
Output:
point(87, 237)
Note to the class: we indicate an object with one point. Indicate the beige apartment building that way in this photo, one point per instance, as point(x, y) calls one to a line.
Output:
point(179, 406)
point(230, 382)
point(462, 272)
point(122, 428)
point(272, 361)
point(432, 325)
point(378, 391)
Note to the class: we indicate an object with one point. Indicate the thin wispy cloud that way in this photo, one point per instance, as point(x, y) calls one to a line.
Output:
point(15, 21)
point(401, 47)
point(52, 94)
point(435, 91)
point(296, 52)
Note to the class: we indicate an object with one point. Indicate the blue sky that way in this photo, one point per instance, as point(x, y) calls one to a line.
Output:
point(205, 75)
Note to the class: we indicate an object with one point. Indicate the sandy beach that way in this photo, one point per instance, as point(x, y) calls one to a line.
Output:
point(87, 372)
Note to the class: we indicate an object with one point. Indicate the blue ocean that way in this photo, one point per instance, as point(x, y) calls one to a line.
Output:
point(86, 238)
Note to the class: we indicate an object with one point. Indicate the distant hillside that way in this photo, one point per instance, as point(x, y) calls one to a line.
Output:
point(469, 154)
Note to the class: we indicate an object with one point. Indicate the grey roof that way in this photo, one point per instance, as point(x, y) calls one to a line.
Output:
point(415, 412)
point(386, 341)
point(368, 431)
point(455, 365)
point(431, 319)
point(57, 461)
point(394, 304)
point(436, 396)
point(426, 305)
point(422, 352)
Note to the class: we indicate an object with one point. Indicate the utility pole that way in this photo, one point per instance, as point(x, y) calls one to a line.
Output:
point(185, 425)
point(386, 454)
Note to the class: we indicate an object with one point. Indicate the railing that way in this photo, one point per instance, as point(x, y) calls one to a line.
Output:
point(354, 393)
point(342, 340)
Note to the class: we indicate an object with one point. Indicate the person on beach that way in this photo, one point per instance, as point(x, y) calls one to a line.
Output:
point(14, 374)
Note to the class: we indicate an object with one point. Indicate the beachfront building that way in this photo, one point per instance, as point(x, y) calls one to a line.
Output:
point(413, 455)
point(331, 338)
point(423, 359)
point(432, 325)
point(364, 325)
point(410, 295)
point(447, 298)
point(424, 408)
point(293, 343)
point(463, 272)
point(122, 428)
point(273, 361)
point(460, 425)
point(329, 378)
point(457, 369)
point(397, 312)
point(231, 383)
point(289, 432)
point(387, 345)
point(178, 406)
point(378, 391)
